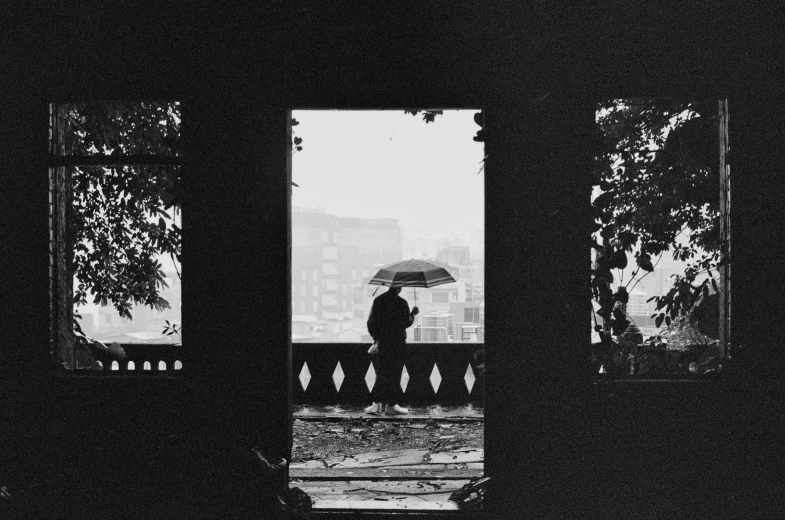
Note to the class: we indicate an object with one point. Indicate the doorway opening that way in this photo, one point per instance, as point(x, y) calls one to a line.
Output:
point(373, 188)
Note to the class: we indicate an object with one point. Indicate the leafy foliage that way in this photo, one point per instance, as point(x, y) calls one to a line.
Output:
point(122, 218)
point(171, 328)
point(296, 141)
point(429, 116)
point(656, 178)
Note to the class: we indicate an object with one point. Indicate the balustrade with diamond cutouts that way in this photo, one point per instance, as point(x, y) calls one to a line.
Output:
point(344, 373)
point(339, 373)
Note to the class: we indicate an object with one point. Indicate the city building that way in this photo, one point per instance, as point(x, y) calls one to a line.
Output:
point(331, 257)
point(640, 310)
point(334, 258)
point(436, 326)
point(454, 255)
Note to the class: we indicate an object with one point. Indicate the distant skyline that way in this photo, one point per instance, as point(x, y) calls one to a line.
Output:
point(388, 164)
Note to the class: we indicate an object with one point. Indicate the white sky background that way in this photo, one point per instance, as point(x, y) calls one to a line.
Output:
point(388, 164)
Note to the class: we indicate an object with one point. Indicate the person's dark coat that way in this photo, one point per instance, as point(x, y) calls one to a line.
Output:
point(389, 319)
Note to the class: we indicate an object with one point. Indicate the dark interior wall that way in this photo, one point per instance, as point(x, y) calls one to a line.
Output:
point(24, 250)
point(383, 53)
point(757, 165)
point(537, 306)
point(236, 236)
point(239, 70)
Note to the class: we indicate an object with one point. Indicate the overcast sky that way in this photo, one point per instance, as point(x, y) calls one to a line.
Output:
point(387, 164)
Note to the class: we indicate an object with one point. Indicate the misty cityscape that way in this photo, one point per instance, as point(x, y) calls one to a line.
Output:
point(376, 187)
point(333, 259)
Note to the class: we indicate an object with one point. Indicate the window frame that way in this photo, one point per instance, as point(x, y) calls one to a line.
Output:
point(725, 296)
point(724, 283)
point(61, 337)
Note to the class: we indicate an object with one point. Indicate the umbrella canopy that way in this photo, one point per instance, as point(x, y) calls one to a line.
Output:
point(412, 273)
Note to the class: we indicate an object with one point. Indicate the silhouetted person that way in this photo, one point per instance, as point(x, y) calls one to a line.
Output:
point(387, 324)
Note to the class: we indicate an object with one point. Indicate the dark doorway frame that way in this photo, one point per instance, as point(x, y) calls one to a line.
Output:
point(289, 177)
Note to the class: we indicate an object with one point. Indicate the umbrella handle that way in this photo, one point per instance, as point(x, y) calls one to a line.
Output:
point(415, 301)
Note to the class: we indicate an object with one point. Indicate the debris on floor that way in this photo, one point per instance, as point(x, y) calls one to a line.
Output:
point(322, 439)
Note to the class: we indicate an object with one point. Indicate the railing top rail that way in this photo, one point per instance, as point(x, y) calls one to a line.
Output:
point(365, 345)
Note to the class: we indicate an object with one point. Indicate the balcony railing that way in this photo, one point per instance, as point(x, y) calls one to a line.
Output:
point(434, 373)
point(143, 359)
point(332, 373)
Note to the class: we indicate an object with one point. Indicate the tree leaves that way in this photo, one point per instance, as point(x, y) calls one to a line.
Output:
point(618, 259)
point(429, 116)
point(619, 322)
point(123, 218)
point(653, 192)
point(655, 177)
point(296, 141)
point(644, 262)
point(658, 320)
point(116, 127)
point(171, 328)
point(621, 295)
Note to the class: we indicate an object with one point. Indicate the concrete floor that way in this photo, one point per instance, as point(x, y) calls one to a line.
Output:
point(398, 480)
point(453, 413)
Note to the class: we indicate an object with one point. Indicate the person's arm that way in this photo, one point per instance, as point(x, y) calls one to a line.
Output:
point(410, 315)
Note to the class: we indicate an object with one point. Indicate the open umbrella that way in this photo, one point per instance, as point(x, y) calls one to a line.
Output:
point(412, 273)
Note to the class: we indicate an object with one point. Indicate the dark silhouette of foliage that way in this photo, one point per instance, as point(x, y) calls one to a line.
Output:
point(122, 218)
point(429, 116)
point(657, 172)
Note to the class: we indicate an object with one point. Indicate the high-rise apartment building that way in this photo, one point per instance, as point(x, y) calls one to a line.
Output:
point(331, 256)
point(455, 255)
point(638, 304)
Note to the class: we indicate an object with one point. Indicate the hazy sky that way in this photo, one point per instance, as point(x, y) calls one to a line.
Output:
point(387, 164)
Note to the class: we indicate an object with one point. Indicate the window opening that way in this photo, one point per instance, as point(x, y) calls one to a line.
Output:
point(115, 234)
point(660, 248)
point(372, 188)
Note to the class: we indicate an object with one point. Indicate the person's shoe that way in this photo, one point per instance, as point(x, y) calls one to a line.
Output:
point(395, 410)
point(375, 408)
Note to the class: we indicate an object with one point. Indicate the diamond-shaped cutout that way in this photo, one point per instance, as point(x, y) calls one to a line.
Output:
point(404, 379)
point(305, 376)
point(469, 378)
point(370, 377)
point(338, 377)
point(436, 378)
